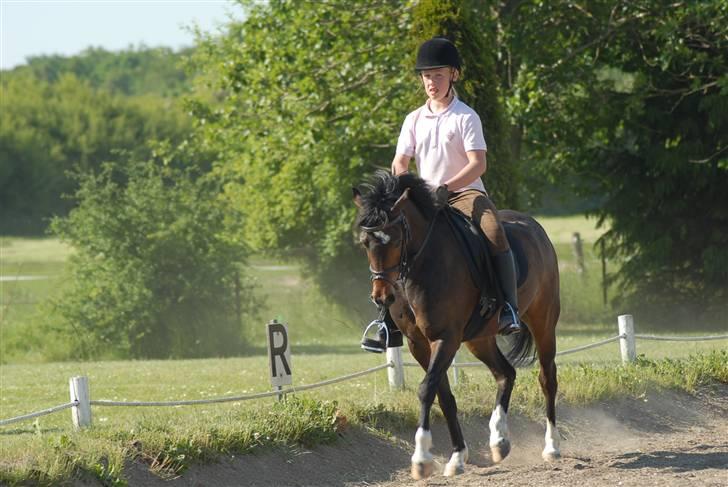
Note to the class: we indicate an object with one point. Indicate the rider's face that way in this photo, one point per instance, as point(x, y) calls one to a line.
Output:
point(437, 81)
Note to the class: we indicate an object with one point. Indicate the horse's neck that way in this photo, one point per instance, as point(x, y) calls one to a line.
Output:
point(426, 238)
point(418, 227)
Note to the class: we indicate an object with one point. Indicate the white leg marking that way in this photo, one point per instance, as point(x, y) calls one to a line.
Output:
point(498, 426)
point(500, 445)
point(422, 464)
point(551, 451)
point(457, 462)
point(423, 443)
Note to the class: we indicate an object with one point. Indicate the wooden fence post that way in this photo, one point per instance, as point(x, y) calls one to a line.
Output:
point(81, 413)
point(578, 250)
point(238, 304)
point(604, 273)
point(627, 343)
point(396, 373)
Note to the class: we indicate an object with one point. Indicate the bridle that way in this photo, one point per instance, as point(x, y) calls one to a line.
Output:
point(405, 263)
point(402, 266)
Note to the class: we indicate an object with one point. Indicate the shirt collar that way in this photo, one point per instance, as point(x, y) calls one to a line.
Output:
point(429, 113)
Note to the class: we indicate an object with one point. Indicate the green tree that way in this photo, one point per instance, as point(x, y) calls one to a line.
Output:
point(48, 129)
point(152, 275)
point(303, 100)
point(629, 101)
point(306, 98)
point(133, 71)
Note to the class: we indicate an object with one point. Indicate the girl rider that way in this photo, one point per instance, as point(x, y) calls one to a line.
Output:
point(445, 136)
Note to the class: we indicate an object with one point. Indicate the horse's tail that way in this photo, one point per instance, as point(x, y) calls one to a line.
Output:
point(520, 351)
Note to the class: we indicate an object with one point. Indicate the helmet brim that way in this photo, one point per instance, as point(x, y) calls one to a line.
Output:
point(419, 69)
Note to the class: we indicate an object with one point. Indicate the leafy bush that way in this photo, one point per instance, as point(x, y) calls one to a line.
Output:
point(153, 275)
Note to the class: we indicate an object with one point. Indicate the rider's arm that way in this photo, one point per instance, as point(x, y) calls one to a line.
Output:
point(400, 164)
point(475, 168)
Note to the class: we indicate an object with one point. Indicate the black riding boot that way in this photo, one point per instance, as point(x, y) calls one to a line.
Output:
point(505, 267)
point(388, 335)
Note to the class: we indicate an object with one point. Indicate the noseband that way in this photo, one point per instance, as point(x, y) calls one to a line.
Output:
point(404, 263)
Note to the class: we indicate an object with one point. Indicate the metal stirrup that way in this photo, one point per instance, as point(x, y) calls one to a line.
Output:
point(380, 324)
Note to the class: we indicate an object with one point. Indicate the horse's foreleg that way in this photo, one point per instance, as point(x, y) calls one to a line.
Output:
point(441, 355)
point(459, 457)
point(486, 350)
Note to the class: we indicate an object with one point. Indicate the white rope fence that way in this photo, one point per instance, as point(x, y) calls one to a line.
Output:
point(591, 345)
point(292, 390)
point(82, 411)
point(563, 352)
point(81, 403)
point(39, 413)
point(681, 339)
point(627, 344)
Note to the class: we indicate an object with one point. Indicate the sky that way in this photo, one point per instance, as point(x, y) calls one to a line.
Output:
point(67, 27)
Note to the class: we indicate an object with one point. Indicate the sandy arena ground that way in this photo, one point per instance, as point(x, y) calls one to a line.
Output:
point(668, 440)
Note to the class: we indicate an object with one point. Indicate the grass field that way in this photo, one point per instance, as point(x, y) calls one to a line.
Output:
point(168, 439)
point(316, 324)
point(324, 344)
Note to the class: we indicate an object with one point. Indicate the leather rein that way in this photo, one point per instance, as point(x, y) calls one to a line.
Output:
point(405, 263)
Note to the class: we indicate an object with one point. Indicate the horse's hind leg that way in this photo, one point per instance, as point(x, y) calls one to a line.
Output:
point(436, 358)
point(486, 350)
point(545, 336)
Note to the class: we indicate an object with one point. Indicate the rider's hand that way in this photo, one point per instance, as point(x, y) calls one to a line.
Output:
point(442, 194)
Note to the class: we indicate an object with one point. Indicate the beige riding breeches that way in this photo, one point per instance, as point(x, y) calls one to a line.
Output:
point(482, 211)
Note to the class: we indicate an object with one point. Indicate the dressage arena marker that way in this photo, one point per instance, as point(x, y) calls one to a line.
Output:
point(279, 375)
point(81, 402)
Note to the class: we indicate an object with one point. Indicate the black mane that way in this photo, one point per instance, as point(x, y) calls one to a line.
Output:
point(384, 189)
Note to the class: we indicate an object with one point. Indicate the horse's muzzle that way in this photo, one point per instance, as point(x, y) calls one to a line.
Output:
point(382, 293)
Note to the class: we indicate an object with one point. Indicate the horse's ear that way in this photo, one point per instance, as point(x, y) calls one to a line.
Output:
point(398, 204)
point(357, 197)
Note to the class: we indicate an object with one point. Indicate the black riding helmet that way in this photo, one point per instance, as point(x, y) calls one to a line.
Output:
point(438, 52)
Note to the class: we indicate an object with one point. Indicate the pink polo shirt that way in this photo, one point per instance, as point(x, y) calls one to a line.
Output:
point(439, 141)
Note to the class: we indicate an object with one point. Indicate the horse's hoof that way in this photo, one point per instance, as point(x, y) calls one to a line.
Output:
point(550, 455)
point(422, 470)
point(453, 469)
point(457, 462)
point(500, 451)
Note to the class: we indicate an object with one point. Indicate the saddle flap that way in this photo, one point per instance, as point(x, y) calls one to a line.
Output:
point(475, 249)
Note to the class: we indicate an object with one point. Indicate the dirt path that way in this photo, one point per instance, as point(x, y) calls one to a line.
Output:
point(666, 440)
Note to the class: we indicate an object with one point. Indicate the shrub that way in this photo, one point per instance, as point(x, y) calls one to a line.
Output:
point(152, 275)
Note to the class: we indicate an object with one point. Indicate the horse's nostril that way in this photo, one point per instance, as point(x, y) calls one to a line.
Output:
point(383, 300)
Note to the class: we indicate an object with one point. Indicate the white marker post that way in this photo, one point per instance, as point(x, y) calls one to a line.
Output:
point(627, 343)
point(454, 367)
point(279, 355)
point(80, 414)
point(395, 374)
